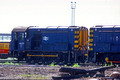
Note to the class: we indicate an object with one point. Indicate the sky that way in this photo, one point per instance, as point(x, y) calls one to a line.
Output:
point(45, 13)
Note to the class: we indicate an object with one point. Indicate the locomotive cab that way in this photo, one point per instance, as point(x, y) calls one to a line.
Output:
point(18, 43)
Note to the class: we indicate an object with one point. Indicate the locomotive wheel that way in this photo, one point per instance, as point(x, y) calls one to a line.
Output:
point(19, 59)
point(81, 59)
point(28, 60)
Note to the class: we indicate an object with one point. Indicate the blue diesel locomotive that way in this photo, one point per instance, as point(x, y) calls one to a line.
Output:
point(52, 44)
point(104, 44)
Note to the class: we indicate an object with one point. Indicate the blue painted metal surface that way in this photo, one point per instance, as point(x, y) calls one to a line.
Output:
point(106, 39)
point(59, 39)
point(106, 44)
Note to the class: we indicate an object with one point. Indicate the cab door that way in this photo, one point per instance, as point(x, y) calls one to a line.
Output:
point(21, 41)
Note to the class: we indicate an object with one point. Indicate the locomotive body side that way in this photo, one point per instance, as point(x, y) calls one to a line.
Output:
point(104, 44)
point(4, 49)
point(4, 45)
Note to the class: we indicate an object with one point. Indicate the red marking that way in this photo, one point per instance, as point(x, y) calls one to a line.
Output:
point(5, 51)
point(114, 61)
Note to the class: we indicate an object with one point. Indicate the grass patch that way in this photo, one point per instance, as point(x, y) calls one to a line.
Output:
point(76, 65)
point(65, 65)
point(32, 76)
point(53, 64)
point(7, 63)
point(39, 77)
point(17, 64)
point(26, 75)
point(105, 65)
point(111, 64)
point(10, 63)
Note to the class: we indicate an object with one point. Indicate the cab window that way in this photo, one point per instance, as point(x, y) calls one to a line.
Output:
point(21, 36)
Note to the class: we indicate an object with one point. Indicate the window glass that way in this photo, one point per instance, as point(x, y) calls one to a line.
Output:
point(16, 36)
point(5, 38)
point(25, 34)
point(21, 36)
point(1, 38)
point(9, 37)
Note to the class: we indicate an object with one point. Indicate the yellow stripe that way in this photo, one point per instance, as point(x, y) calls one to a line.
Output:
point(76, 36)
point(91, 35)
point(76, 32)
point(91, 30)
point(90, 40)
point(4, 45)
point(90, 44)
point(86, 54)
point(80, 43)
point(91, 49)
point(76, 46)
point(44, 55)
point(76, 41)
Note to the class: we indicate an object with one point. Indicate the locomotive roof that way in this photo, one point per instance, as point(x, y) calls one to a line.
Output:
point(106, 26)
point(22, 28)
point(54, 27)
point(19, 29)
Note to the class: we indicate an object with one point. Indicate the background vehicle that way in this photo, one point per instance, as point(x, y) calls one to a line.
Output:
point(59, 44)
point(4, 45)
point(104, 44)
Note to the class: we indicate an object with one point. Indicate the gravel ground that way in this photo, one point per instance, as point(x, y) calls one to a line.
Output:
point(39, 72)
